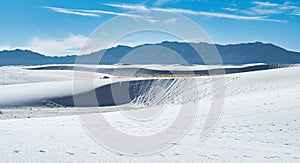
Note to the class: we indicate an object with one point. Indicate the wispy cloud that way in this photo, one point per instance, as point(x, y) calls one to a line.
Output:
point(110, 13)
point(296, 13)
point(162, 2)
point(262, 11)
point(97, 13)
point(208, 14)
point(266, 4)
point(93, 13)
point(268, 8)
point(171, 21)
point(192, 12)
point(127, 6)
point(230, 9)
point(70, 11)
point(257, 13)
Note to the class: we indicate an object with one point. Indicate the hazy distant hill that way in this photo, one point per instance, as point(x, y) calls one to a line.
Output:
point(163, 53)
point(26, 57)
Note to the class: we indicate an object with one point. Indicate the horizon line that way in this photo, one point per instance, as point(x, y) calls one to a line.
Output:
point(169, 41)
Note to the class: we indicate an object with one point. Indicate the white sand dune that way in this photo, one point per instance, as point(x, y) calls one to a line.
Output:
point(260, 122)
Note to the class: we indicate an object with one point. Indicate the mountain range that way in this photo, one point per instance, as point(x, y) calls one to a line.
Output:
point(163, 53)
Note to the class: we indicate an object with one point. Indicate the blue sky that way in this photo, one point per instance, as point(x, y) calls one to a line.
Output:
point(61, 27)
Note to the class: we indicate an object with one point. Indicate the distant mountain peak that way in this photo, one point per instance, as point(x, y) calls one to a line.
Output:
point(242, 53)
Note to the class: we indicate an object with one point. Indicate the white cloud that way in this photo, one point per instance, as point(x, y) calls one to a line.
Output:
point(111, 13)
point(4, 47)
point(261, 11)
point(99, 12)
point(93, 13)
point(161, 2)
point(208, 14)
point(69, 45)
point(296, 13)
point(267, 8)
point(268, 4)
point(129, 7)
point(151, 20)
point(70, 11)
point(191, 12)
point(171, 21)
point(230, 9)
point(288, 6)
